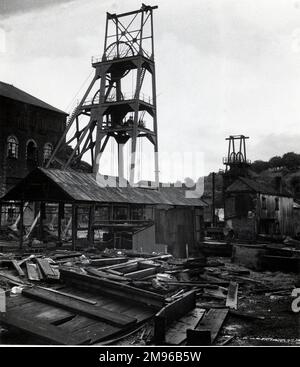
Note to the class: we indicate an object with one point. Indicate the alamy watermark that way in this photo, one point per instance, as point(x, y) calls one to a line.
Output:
point(175, 169)
point(296, 302)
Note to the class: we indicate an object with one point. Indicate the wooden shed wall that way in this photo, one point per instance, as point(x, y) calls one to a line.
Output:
point(175, 228)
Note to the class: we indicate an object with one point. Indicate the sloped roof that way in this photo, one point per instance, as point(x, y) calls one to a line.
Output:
point(244, 184)
point(72, 186)
point(9, 91)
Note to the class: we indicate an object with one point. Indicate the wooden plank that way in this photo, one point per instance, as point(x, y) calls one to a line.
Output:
point(148, 264)
point(171, 312)
point(129, 308)
point(193, 283)
point(114, 272)
point(117, 266)
point(160, 257)
point(118, 294)
point(108, 261)
point(69, 295)
point(178, 283)
point(103, 274)
point(213, 321)
point(176, 333)
point(141, 273)
point(65, 254)
point(12, 279)
point(78, 307)
point(232, 295)
point(32, 271)
point(96, 332)
point(116, 289)
point(18, 268)
point(43, 330)
point(42, 312)
point(17, 301)
point(30, 257)
point(88, 329)
point(214, 293)
point(2, 300)
point(76, 323)
point(47, 269)
point(128, 268)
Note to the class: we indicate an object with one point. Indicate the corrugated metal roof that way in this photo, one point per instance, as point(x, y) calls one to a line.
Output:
point(256, 186)
point(9, 91)
point(83, 187)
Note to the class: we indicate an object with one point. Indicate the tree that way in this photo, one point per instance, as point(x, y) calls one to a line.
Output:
point(291, 160)
point(259, 166)
point(275, 162)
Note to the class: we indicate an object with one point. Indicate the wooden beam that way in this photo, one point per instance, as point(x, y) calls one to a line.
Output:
point(32, 271)
point(21, 223)
point(176, 333)
point(212, 321)
point(12, 279)
point(171, 312)
point(91, 302)
point(91, 223)
point(74, 226)
point(61, 209)
point(103, 274)
point(40, 329)
point(232, 295)
point(112, 288)
point(18, 268)
point(139, 274)
point(108, 261)
point(47, 270)
point(79, 307)
point(42, 217)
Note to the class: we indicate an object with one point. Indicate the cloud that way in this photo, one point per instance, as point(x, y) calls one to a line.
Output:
point(223, 67)
point(267, 146)
point(11, 7)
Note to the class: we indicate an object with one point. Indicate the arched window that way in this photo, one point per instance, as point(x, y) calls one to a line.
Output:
point(12, 147)
point(48, 149)
point(31, 151)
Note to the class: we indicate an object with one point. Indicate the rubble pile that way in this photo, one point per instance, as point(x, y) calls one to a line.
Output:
point(193, 301)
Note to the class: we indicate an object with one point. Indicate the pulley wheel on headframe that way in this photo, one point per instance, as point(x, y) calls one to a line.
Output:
point(118, 50)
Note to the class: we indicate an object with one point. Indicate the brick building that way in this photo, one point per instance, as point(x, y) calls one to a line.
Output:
point(30, 129)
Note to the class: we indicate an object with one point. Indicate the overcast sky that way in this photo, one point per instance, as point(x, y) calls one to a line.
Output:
point(223, 67)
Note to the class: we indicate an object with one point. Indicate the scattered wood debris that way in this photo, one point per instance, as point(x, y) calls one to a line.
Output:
point(110, 295)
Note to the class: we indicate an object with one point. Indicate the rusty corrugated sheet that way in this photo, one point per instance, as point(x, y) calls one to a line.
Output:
point(84, 187)
point(256, 186)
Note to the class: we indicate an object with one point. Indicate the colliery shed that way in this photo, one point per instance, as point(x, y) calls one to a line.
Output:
point(144, 219)
point(256, 208)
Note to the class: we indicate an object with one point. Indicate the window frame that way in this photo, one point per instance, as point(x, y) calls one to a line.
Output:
point(50, 151)
point(14, 145)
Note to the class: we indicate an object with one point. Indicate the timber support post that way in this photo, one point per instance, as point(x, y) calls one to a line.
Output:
point(91, 225)
point(74, 225)
point(21, 223)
